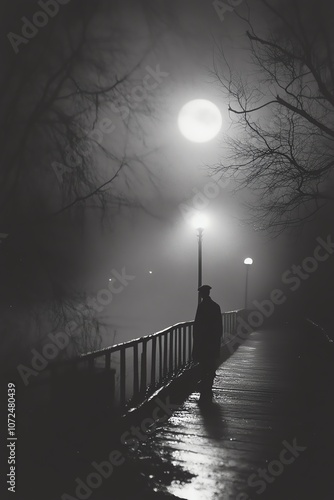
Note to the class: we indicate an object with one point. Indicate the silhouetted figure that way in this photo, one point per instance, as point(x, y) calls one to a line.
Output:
point(207, 338)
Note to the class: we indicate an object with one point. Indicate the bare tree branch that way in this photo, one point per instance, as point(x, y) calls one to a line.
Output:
point(282, 148)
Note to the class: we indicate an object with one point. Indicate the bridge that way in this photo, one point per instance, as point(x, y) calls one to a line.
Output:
point(125, 422)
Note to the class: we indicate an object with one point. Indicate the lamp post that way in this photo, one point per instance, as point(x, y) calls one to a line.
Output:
point(199, 222)
point(248, 262)
point(200, 260)
point(199, 121)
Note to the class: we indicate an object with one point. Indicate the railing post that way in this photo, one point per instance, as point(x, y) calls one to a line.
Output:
point(135, 371)
point(184, 337)
point(160, 358)
point(165, 353)
point(189, 341)
point(143, 378)
point(107, 361)
point(109, 377)
point(179, 331)
point(113, 384)
point(122, 377)
point(171, 338)
point(153, 360)
point(175, 349)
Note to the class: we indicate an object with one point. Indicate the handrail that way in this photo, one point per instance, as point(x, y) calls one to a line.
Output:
point(130, 343)
point(141, 366)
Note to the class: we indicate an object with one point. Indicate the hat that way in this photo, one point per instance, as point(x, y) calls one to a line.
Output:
point(205, 287)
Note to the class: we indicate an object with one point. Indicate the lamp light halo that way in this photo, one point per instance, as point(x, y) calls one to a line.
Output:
point(248, 261)
point(199, 220)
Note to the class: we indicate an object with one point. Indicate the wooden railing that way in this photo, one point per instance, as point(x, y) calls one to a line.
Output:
point(134, 369)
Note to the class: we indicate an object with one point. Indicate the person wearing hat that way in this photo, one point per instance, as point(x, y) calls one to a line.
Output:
point(207, 338)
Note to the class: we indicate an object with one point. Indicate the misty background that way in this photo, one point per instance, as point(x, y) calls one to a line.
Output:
point(66, 234)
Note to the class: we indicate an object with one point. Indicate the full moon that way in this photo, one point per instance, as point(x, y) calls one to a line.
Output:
point(199, 120)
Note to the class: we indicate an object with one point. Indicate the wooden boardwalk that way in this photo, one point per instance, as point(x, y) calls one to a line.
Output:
point(269, 434)
point(274, 394)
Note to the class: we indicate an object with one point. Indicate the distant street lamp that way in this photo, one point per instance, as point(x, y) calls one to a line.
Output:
point(200, 222)
point(248, 262)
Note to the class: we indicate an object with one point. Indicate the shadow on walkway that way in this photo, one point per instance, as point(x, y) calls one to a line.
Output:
point(213, 418)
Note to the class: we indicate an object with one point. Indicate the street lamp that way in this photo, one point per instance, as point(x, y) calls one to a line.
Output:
point(248, 262)
point(200, 222)
point(199, 121)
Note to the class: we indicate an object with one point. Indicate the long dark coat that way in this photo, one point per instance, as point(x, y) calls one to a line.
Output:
point(207, 331)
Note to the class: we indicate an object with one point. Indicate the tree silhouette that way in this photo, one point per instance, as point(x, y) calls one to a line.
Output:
point(73, 90)
point(283, 112)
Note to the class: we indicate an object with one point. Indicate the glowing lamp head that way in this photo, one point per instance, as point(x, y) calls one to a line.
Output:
point(200, 221)
point(199, 120)
point(248, 261)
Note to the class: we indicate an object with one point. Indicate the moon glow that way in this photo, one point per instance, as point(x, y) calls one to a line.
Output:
point(199, 120)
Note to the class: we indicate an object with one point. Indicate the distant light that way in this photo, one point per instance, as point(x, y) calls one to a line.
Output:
point(110, 279)
point(150, 272)
point(199, 120)
point(200, 221)
point(248, 261)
